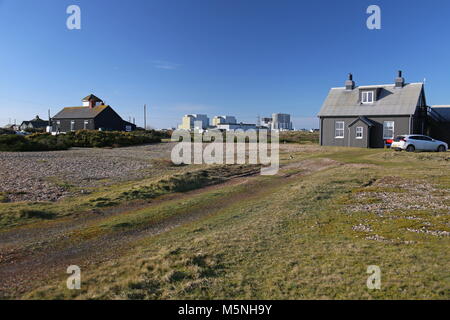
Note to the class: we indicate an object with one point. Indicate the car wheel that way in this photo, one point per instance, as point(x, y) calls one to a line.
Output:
point(441, 148)
point(410, 148)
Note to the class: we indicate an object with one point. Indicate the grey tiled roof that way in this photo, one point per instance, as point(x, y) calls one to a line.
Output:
point(391, 101)
point(80, 112)
point(444, 111)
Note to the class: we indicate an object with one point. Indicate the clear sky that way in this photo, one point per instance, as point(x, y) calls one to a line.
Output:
point(234, 57)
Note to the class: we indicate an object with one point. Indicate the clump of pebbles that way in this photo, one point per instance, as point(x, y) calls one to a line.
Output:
point(50, 176)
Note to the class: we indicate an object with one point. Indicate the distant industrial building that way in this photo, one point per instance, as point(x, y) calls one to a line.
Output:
point(223, 120)
point(200, 122)
point(266, 122)
point(235, 126)
point(190, 121)
point(281, 122)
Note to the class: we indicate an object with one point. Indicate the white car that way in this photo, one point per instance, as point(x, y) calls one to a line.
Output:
point(418, 142)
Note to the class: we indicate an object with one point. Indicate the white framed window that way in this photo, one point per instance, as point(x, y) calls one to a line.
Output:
point(86, 124)
point(359, 132)
point(339, 129)
point(388, 129)
point(72, 125)
point(367, 97)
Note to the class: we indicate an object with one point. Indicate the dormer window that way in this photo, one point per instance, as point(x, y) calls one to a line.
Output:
point(367, 97)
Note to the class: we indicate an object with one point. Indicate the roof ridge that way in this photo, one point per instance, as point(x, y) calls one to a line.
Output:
point(379, 85)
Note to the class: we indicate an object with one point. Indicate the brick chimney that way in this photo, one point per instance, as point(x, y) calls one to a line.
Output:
point(350, 84)
point(399, 81)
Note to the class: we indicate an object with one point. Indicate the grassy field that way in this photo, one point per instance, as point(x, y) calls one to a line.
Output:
point(309, 232)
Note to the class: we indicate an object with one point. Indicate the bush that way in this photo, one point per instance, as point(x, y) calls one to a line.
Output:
point(6, 131)
point(29, 214)
point(35, 130)
point(50, 142)
point(99, 139)
point(82, 138)
point(299, 137)
point(3, 197)
point(34, 142)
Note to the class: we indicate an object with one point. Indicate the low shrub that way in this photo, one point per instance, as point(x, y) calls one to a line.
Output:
point(50, 142)
point(99, 139)
point(299, 137)
point(29, 214)
point(34, 142)
point(3, 197)
point(35, 130)
point(6, 131)
point(9, 142)
point(82, 138)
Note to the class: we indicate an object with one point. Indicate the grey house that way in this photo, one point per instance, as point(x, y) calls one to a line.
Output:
point(36, 123)
point(93, 115)
point(368, 116)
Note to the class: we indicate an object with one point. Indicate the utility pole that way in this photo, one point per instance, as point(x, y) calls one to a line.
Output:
point(145, 117)
point(49, 127)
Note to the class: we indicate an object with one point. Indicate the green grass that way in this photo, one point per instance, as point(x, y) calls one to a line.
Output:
point(292, 239)
point(177, 179)
point(299, 137)
point(28, 214)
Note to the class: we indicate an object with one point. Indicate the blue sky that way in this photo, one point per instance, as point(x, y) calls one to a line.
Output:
point(236, 57)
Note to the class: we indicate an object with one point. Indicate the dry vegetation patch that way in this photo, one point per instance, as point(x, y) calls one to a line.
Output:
point(398, 194)
point(400, 206)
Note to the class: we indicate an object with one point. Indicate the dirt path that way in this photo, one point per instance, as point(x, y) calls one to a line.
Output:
point(31, 257)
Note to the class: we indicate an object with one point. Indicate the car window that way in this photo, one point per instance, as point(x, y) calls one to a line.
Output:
point(415, 137)
point(427, 139)
point(397, 139)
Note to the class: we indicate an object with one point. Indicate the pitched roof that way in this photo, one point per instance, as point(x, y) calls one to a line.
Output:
point(444, 111)
point(37, 119)
point(92, 97)
point(390, 101)
point(80, 112)
point(363, 119)
point(35, 122)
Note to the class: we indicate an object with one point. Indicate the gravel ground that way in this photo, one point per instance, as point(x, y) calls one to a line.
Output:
point(416, 195)
point(50, 176)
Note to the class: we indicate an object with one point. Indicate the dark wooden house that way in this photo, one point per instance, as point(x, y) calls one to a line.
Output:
point(93, 115)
